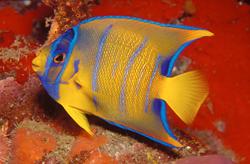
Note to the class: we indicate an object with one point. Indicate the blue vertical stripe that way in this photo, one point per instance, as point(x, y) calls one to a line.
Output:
point(139, 79)
point(53, 89)
point(128, 67)
point(99, 56)
point(76, 67)
point(114, 69)
point(151, 81)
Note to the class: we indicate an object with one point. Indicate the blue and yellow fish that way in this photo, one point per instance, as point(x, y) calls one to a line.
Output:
point(119, 69)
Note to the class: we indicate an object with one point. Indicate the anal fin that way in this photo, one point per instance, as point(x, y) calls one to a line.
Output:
point(168, 141)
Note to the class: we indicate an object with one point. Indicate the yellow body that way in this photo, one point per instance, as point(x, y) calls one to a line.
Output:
point(119, 76)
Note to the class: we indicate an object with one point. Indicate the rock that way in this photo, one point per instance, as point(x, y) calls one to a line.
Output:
point(207, 159)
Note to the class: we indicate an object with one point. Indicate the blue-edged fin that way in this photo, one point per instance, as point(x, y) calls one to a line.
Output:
point(166, 37)
point(184, 94)
point(170, 142)
point(80, 118)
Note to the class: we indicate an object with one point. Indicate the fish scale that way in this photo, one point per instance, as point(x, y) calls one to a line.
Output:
point(111, 95)
point(136, 103)
point(121, 49)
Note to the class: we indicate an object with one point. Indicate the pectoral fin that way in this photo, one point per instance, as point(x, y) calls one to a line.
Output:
point(81, 79)
point(79, 117)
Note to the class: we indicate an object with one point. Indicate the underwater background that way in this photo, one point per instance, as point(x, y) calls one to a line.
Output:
point(35, 129)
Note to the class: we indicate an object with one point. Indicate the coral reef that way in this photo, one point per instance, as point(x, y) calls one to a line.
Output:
point(37, 130)
point(67, 14)
point(18, 101)
point(29, 146)
point(208, 159)
point(38, 142)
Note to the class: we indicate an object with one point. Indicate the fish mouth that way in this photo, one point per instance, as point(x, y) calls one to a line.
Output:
point(36, 68)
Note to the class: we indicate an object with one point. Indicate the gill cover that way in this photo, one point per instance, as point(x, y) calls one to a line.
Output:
point(53, 71)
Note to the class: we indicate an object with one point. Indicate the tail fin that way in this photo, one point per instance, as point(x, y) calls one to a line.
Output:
point(184, 94)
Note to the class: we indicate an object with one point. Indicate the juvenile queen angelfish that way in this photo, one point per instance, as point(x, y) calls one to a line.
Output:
point(119, 69)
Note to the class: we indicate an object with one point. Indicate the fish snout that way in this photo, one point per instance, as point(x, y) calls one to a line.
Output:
point(37, 65)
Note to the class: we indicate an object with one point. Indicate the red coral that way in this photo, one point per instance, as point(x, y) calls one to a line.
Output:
point(10, 19)
point(6, 38)
point(85, 149)
point(30, 146)
point(86, 144)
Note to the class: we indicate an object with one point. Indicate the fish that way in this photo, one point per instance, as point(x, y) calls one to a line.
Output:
point(119, 69)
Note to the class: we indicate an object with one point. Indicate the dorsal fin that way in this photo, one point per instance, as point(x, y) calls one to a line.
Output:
point(167, 37)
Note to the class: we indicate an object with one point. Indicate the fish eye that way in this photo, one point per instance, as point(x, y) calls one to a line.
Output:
point(59, 58)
